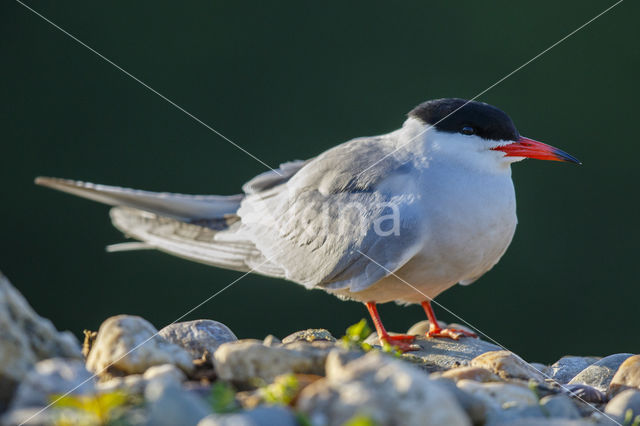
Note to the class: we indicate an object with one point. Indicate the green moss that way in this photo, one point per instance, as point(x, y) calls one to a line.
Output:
point(222, 398)
point(282, 391)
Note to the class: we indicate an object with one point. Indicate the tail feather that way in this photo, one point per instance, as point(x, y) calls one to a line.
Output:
point(201, 228)
point(178, 206)
point(193, 242)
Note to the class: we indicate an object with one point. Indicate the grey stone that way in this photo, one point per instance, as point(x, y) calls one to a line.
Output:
point(600, 373)
point(559, 406)
point(260, 416)
point(420, 328)
point(131, 384)
point(507, 365)
point(383, 388)
point(169, 405)
point(443, 354)
point(37, 416)
point(513, 415)
point(51, 377)
point(471, 373)
point(310, 335)
point(198, 337)
point(500, 396)
point(245, 361)
point(476, 408)
point(567, 367)
point(164, 372)
point(26, 338)
point(129, 344)
point(622, 402)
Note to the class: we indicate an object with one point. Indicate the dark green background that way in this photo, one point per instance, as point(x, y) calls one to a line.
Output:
point(289, 80)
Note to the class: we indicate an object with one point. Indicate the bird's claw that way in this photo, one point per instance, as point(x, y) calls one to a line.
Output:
point(402, 342)
point(451, 333)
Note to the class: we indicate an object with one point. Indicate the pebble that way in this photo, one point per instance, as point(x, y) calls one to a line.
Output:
point(514, 415)
point(625, 400)
point(567, 367)
point(627, 376)
point(600, 373)
point(126, 344)
point(310, 335)
point(165, 372)
point(53, 377)
point(200, 338)
point(245, 361)
point(170, 405)
point(477, 374)
point(388, 390)
point(260, 416)
point(507, 365)
point(559, 406)
point(475, 408)
point(500, 395)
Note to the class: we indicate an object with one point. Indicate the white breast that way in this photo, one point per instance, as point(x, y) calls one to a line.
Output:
point(469, 221)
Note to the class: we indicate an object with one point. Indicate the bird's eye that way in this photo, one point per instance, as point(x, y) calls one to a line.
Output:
point(468, 130)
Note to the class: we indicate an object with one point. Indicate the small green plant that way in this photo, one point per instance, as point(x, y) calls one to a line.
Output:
point(222, 398)
point(98, 409)
point(355, 336)
point(391, 350)
point(302, 419)
point(629, 420)
point(282, 391)
point(360, 420)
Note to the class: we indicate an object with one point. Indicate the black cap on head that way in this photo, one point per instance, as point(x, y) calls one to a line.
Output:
point(457, 116)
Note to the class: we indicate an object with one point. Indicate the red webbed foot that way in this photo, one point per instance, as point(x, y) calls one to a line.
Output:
point(436, 331)
point(403, 345)
point(401, 342)
point(451, 333)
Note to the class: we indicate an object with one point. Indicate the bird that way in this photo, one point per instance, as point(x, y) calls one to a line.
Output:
point(399, 217)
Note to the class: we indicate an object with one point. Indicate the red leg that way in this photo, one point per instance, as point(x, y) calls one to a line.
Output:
point(436, 331)
point(402, 342)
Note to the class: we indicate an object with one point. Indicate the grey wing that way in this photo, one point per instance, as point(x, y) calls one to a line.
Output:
point(271, 178)
point(326, 224)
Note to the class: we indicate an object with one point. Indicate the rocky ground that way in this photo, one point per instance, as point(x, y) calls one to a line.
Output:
point(199, 373)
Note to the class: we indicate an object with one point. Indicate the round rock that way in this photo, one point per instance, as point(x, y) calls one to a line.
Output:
point(559, 406)
point(310, 335)
point(507, 365)
point(567, 367)
point(200, 337)
point(623, 402)
point(130, 344)
point(600, 374)
point(627, 376)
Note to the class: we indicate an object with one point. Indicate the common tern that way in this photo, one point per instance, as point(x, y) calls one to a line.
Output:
point(397, 217)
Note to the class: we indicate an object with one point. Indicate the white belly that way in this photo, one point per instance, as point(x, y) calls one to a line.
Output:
point(468, 226)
